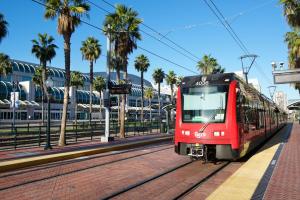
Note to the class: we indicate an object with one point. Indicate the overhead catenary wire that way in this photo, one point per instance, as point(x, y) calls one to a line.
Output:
point(160, 34)
point(155, 38)
point(231, 32)
point(98, 28)
point(247, 52)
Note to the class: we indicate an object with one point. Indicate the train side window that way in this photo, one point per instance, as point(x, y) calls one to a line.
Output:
point(239, 102)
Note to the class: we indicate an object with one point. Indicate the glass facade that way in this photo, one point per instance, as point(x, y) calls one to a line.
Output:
point(31, 95)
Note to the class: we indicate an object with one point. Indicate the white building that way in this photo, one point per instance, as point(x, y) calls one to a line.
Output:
point(280, 98)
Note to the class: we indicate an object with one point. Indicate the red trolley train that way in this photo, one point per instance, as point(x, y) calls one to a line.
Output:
point(219, 116)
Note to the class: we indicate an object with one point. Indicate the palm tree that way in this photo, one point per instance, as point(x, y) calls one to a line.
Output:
point(44, 50)
point(141, 64)
point(122, 27)
point(149, 95)
point(38, 80)
point(68, 13)
point(207, 65)
point(3, 27)
point(91, 51)
point(77, 81)
point(179, 80)
point(158, 76)
point(99, 86)
point(218, 70)
point(5, 65)
point(171, 80)
point(292, 12)
point(293, 41)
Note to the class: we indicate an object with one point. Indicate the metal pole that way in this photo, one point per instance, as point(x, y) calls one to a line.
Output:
point(14, 105)
point(48, 143)
point(246, 76)
point(105, 138)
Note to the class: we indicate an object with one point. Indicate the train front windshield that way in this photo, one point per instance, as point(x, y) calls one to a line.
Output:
point(204, 104)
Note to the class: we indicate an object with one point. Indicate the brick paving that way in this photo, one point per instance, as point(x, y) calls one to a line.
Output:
point(285, 181)
point(36, 173)
point(92, 183)
point(208, 187)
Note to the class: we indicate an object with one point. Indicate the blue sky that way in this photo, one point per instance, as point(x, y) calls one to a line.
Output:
point(258, 23)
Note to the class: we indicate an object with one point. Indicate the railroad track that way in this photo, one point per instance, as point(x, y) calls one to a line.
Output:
point(81, 169)
point(175, 171)
point(200, 182)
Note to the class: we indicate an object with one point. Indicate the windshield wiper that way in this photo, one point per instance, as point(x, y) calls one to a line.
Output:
point(208, 121)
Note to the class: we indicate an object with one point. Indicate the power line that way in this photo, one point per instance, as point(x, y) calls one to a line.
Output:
point(162, 35)
point(98, 28)
point(168, 60)
point(155, 38)
point(232, 32)
point(214, 12)
point(225, 20)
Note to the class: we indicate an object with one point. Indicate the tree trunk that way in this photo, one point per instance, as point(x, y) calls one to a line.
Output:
point(172, 90)
point(91, 90)
point(43, 114)
point(119, 108)
point(142, 99)
point(123, 113)
point(122, 117)
point(100, 111)
point(67, 52)
point(159, 100)
point(44, 87)
point(159, 116)
point(150, 111)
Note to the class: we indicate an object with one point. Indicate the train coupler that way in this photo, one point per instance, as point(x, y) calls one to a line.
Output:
point(198, 151)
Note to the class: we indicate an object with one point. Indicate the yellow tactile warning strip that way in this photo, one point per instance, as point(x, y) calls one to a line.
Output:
point(27, 162)
point(242, 184)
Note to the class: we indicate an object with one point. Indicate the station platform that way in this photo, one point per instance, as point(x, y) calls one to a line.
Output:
point(272, 173)
point(26, 157)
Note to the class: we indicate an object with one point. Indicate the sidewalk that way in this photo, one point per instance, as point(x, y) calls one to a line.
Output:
point(285, 180)
point(15, 159)
point(272, 173)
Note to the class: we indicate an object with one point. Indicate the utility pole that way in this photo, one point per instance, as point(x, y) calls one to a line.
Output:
point(246, 69)
point(106, 95)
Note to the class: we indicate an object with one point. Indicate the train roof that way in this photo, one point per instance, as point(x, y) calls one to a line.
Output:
point(220, 78)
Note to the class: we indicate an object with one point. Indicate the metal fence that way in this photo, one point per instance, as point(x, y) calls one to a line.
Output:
point(34, 134)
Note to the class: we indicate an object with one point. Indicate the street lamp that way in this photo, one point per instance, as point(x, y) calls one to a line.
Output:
point(49, 84)
point(272, 89)
point(274, 65)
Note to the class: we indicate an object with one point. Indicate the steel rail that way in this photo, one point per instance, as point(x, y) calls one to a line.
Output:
point(140, 183)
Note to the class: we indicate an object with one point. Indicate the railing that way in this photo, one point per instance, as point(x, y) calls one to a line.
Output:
point(30, 134)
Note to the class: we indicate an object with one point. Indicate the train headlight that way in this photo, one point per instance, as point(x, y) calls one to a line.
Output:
point(216, 133)
point(219, 133)
point(187, 133)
